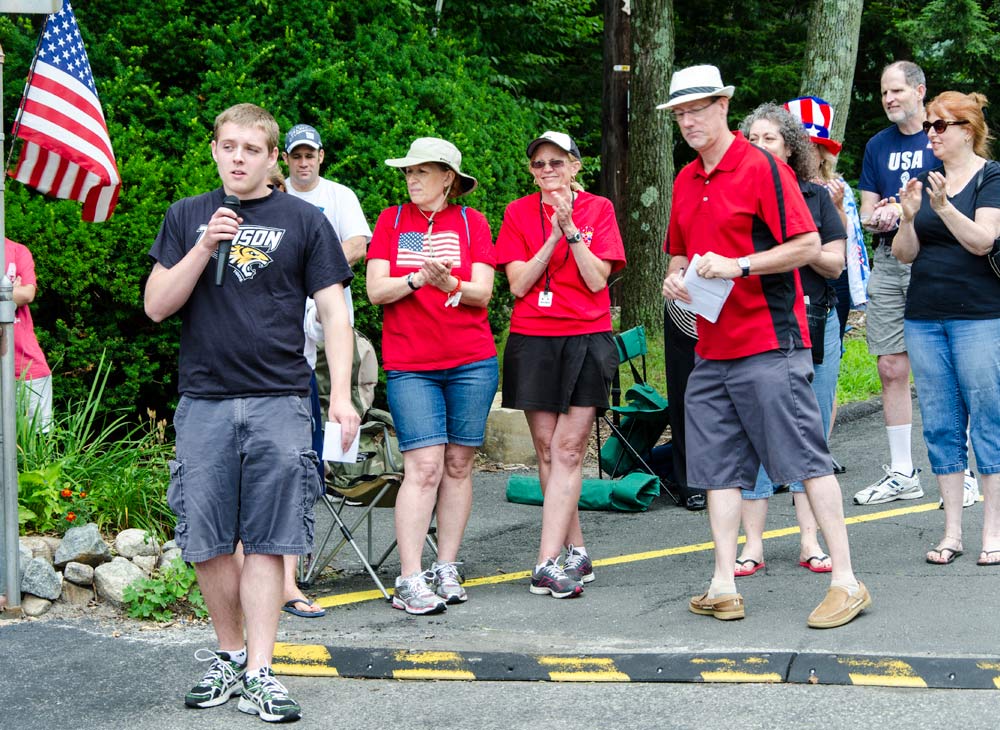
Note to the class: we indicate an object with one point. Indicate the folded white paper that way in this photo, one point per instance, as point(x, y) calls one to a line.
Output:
point(332, 450)
point(707, 295)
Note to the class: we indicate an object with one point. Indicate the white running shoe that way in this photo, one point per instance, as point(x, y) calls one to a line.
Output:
point(891, 487)
point(970, 491)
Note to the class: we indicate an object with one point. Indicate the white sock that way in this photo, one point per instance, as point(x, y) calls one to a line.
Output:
point(578, 549)
point(852, 588)
point(901, 460)
point(721, 588)
point(240, 657)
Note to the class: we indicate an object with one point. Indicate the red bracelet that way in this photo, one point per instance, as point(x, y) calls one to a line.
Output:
point(458, 287)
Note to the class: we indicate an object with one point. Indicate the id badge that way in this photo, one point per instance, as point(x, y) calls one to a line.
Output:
point(544, 299)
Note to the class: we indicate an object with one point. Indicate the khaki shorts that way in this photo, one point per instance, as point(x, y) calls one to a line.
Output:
point(886, 303)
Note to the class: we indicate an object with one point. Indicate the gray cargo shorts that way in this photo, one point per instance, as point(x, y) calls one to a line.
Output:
point(886, 303)
point(245, 470)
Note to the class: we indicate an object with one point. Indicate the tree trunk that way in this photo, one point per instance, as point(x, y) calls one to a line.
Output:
point(831, 54)
point(614, 120)
point(651, 167)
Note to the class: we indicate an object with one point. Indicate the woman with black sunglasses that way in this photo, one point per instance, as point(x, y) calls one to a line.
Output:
point(950, 220)
point(558, 247)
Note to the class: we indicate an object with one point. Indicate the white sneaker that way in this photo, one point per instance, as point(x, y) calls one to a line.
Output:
point(891, 487)
point(970, 491)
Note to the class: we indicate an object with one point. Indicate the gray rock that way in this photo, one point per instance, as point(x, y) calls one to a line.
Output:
point(169, 545)
point(82, 545)
point(111, 579)
point(52, 542)
point(24, 557)
point(40, 579)
point(35, 606)
point(133, 541)
point(78, 573)
point(39, 547)
point(77, 595)
point(146, 562)
point(168, 557)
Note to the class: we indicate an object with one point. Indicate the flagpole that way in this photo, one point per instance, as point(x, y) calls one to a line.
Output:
point(8, 422)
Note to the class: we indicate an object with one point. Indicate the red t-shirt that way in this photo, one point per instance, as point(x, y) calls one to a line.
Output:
point(29, 361)
point(575, 309)
point(418, 331)
point(735, 211)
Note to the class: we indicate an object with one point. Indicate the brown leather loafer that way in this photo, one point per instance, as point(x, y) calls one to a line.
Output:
point(839, 607)
point(726, 607)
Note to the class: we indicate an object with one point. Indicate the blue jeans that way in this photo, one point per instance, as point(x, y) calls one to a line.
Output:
point(824, 385)
point(956, 368)
point(431, 407)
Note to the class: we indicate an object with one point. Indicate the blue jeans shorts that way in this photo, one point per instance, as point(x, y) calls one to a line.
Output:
point(431, 407)
point(244, 471)
point(956, 368)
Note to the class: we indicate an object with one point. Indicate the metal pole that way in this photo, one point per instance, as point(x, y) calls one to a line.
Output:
point(8, 423)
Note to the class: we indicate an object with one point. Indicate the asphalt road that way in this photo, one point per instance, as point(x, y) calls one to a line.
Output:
point(929, 625)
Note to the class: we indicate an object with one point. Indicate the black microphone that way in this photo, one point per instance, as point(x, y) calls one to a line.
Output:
point(233, 203)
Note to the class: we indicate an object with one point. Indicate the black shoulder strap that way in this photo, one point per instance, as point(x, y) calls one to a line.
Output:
point(778, 191)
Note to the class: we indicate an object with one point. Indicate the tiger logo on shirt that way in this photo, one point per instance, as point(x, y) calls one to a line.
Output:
point(251, 250)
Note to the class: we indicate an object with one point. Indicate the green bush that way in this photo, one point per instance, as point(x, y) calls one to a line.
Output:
point(174, 589)
point(371, 76)
point(91, 468)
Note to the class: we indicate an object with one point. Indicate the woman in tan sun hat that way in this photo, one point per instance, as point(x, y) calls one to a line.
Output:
point(430, 266)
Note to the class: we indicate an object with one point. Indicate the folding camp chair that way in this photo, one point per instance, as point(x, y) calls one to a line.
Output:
point(373, 482)
point(637, 424)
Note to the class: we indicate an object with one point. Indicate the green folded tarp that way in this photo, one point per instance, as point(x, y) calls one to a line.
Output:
point(632, 493)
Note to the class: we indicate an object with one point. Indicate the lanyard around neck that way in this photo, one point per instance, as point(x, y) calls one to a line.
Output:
point(541, 220)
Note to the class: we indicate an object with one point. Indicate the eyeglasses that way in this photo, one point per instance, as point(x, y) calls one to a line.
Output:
point(939, 125)
point(679, 116)
point(540, 164)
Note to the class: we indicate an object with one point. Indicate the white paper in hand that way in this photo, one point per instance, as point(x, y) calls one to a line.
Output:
point(707, 295)
point(332, 450)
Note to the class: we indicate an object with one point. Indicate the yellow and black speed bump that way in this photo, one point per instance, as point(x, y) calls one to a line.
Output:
point(825, 669)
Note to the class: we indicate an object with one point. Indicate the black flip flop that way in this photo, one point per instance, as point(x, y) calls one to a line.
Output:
point(987, 564)
point(947, 560)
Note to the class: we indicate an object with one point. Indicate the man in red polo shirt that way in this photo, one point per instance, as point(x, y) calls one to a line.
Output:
point(748, 400)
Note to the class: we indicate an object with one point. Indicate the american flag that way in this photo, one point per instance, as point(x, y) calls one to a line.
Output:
point(67, 151)
point(414, 248)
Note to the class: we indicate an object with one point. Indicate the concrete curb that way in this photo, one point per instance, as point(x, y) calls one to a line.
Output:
point(737, 667)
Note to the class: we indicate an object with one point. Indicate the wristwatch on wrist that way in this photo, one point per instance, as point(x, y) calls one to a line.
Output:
point(409, 282)
point(575, 238)
point(744, 263)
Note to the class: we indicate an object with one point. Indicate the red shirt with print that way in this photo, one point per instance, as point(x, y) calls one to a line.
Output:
point(418, 331)
point(575, 310)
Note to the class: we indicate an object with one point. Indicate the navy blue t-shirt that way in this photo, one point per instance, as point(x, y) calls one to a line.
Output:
point(946, 280)
point(892, 158)
point(245, 338)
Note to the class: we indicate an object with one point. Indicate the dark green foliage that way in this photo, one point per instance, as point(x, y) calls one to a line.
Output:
point(370, 76)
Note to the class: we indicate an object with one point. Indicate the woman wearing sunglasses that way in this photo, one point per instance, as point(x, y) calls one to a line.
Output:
point(558, 247)
point(950, 219)
point(430, 266)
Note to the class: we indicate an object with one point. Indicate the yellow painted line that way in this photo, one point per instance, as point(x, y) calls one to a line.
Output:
point(882, 672)
point(344, 599)
point(991, 666)
point(582, 669)
point(423, 673)
point(307, 660)
point(456, 671)
point(725, 676)
point(726, 670)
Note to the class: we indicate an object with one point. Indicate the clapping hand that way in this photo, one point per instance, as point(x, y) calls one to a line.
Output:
point(909, 197)
point(938, 192)
point(437, 272)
